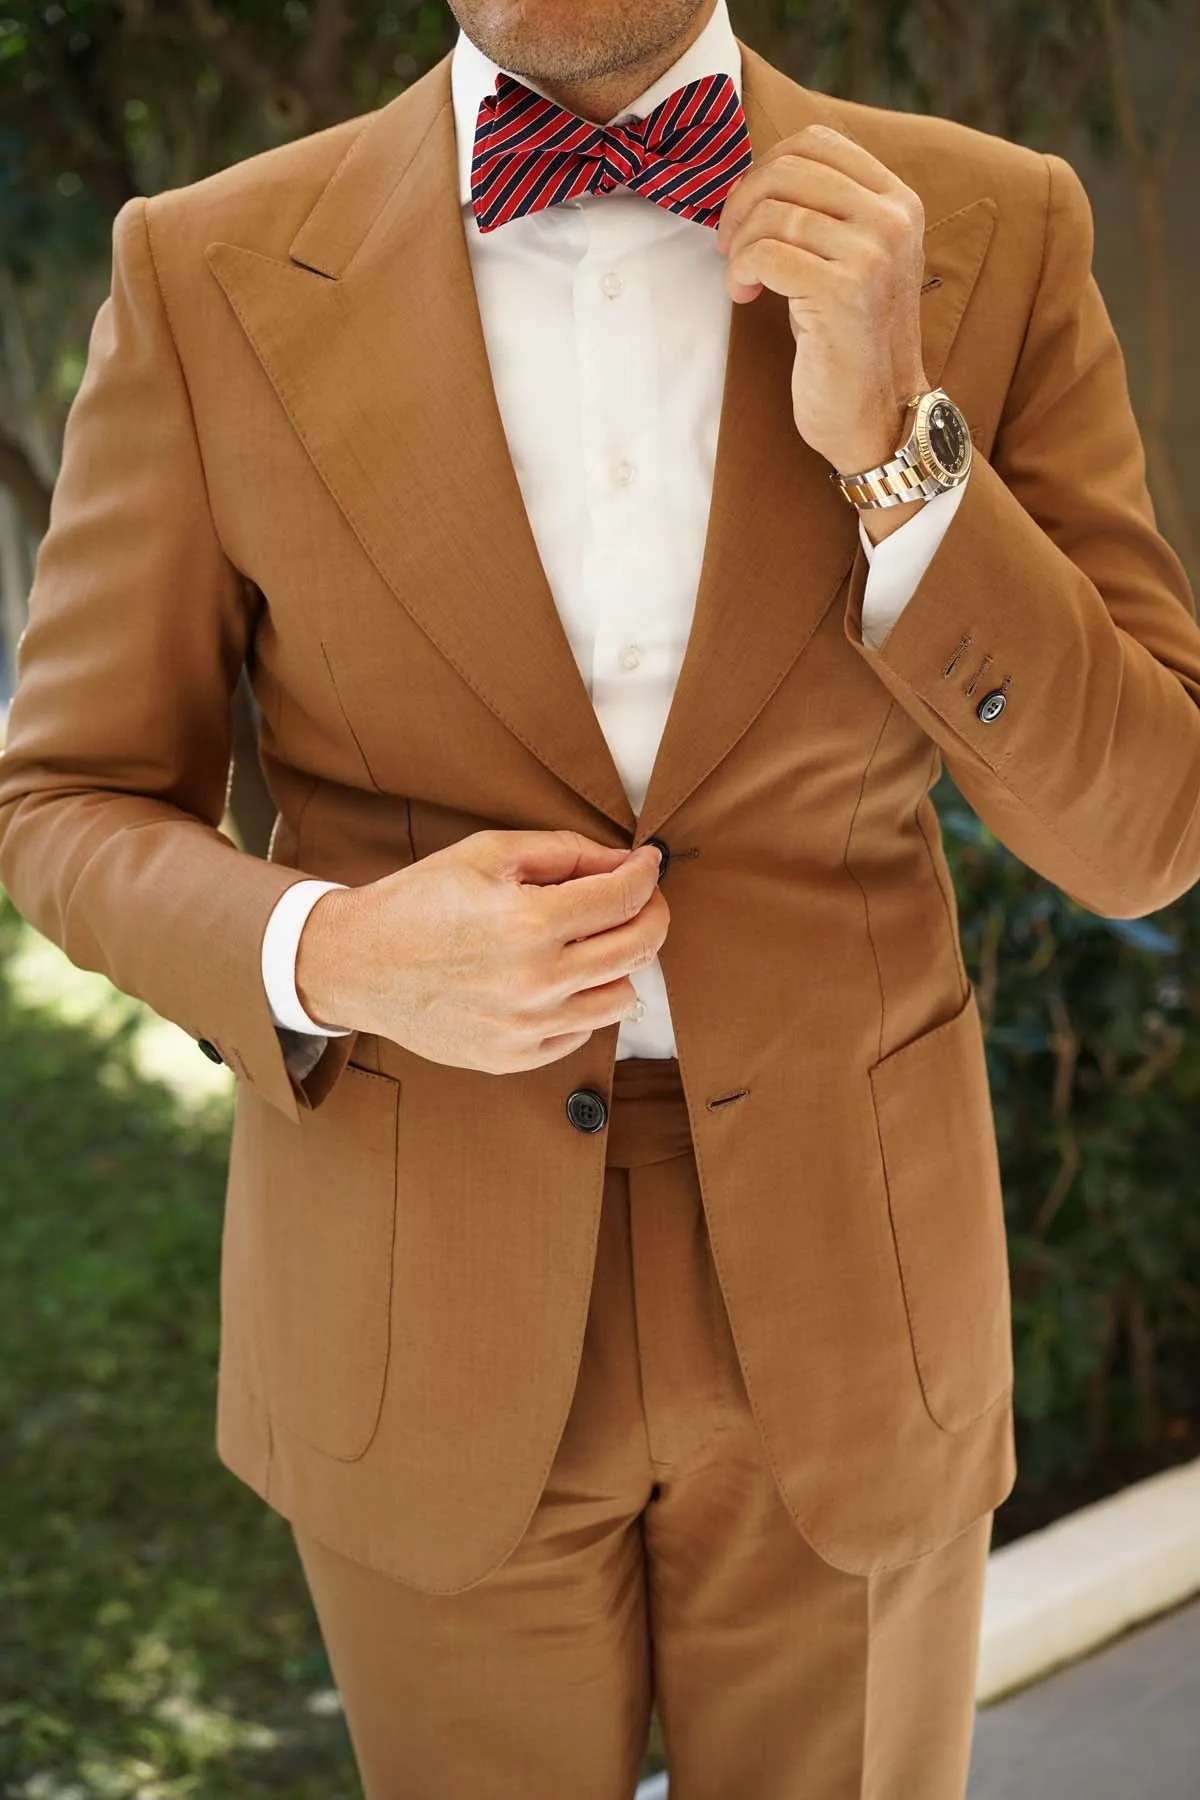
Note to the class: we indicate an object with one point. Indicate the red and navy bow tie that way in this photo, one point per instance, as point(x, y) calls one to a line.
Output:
point(685, 155)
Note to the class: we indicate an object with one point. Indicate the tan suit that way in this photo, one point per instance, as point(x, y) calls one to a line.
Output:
point(287, 445)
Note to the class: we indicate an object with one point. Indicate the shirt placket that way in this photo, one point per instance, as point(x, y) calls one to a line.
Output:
point(619, 406)
point(618, 395)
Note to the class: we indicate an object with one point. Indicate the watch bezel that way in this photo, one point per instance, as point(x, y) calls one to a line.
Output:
point(928, 460)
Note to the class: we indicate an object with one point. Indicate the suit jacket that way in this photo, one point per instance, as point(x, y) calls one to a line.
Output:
point(286, 448)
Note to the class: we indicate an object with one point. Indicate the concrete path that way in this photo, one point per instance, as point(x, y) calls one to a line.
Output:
point(1122, 1725)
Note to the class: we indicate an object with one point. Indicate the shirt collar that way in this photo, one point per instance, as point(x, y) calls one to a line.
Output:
point(473, 76)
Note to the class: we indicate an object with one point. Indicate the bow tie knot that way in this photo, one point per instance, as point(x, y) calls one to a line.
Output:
point(531, 153)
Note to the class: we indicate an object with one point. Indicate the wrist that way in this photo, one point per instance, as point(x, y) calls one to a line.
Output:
point(877, 438)
point(320, 986)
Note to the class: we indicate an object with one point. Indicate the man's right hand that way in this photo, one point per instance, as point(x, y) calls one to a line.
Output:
point(502, 952)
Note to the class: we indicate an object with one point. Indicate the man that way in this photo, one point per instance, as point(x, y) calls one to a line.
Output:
point(623, 470)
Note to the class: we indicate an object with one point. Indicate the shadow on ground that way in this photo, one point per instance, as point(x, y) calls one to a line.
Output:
point(156, 1638)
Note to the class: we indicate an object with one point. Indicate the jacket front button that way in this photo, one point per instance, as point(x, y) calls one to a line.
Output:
point(587, 1110)
point(664, 853)
point(210, 1050)
point(991, 706)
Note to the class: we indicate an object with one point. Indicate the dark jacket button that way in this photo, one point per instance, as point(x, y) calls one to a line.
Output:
point(587, 1110)
point(211, 1051)
point(991, 706)
point(663, 851)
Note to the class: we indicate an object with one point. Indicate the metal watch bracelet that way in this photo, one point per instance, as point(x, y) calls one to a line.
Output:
point(896, 484)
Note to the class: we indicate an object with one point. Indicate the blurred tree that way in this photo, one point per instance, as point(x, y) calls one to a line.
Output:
point(1151, 155)
point(104, 99)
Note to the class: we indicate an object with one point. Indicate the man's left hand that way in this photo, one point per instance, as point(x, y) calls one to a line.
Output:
point(823, 222)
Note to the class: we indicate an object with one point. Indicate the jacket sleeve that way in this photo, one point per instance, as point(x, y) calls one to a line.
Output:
point(113, 778)
point(1053, 589)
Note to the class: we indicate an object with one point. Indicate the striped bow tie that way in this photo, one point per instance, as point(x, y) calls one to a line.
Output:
point(531, 153)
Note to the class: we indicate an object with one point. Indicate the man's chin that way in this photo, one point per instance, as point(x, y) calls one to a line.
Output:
point(555, 55)
point(567, 41)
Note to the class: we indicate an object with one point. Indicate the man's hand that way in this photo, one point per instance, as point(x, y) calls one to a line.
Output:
point(503, 952)
point(823, 222)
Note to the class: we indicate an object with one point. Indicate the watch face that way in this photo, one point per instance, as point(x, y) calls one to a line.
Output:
point(948, 437)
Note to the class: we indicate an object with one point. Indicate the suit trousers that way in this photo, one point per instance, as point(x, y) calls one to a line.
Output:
point(660, 1569)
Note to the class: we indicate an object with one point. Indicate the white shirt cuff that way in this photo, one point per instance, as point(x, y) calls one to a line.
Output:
point(281, 941)
point(899, 563)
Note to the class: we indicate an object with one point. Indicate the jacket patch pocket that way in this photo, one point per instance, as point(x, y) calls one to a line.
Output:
point(937, 1136)
point(325, 1218)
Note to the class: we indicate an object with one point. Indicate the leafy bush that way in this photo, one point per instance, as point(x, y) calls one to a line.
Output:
point(1094, 1061)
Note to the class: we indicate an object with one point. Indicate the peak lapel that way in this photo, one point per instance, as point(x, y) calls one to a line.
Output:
point(781, 539)
point(372, 340)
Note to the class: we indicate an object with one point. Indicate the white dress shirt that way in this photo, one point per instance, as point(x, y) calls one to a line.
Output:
point(606, 321)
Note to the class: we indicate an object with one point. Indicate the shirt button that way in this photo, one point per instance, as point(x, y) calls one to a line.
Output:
point(612, 285)
point(639, 1012)
point(631, 656)
point(623, 473)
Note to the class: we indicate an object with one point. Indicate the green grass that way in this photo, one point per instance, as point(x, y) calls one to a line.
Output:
point(156, 1636)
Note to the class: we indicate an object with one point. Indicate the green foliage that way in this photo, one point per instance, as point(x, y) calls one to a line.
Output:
point(1094, 1060)
point(156, 1636)
point(100, 99)
point(1023, 68)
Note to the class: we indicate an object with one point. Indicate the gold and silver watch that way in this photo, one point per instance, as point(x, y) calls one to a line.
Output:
point(934, 458)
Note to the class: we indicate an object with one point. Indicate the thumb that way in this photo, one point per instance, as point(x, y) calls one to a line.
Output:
point(545, 857)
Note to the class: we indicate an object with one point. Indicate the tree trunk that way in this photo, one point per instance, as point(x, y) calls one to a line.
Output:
point(16, 575)
point(251, 808)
